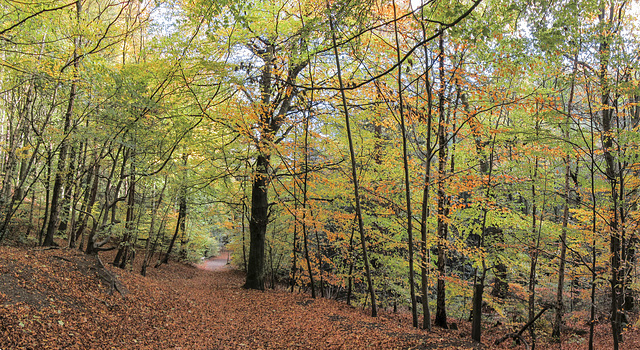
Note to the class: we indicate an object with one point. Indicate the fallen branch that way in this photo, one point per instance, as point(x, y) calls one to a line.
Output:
point(61, 258)
point(518, 336)
point(45, 248)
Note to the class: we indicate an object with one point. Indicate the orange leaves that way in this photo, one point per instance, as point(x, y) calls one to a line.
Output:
point(182, 307)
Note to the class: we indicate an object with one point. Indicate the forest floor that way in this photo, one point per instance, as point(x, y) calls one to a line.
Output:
point(58, 298)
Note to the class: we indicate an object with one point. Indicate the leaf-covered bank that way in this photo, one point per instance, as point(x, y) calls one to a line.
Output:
point(54, 299)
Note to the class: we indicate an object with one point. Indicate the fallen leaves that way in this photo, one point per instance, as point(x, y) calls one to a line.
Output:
point(179, 306)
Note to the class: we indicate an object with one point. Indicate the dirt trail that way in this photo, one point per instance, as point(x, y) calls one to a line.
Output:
point(217, 263)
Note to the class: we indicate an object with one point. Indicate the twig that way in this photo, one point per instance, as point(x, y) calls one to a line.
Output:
point(103, 301)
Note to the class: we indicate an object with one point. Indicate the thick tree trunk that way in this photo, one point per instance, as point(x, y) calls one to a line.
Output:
point(500, 284)
point(476, 311)
point(275, 103)
point(258, 224)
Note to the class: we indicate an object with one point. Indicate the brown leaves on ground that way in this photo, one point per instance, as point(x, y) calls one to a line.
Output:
point(56, 299)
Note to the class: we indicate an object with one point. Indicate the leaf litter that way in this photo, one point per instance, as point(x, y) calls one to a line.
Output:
point(55, 299)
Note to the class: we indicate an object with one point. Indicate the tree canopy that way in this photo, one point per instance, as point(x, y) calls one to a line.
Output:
point(384, 153)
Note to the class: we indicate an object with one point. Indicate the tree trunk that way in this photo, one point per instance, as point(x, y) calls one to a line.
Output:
point(354, 174)
point(441, 312)
point(594, 252)
point(68, 192)
point(89, 202)
point(275, 103)
point(62, 158)
point(258, 224)
point(305, 196)
point(294, 255)
point(424, 270)
point(476, 311)
point(407, 179)
point(557, 325)
point(182, 214)
point(123, 252)
point(610, 172)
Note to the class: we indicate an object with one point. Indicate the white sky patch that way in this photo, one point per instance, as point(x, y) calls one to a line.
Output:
point(415, 4)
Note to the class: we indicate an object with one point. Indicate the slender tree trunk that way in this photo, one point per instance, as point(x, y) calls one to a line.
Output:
point(47, 190)
point(351, 263)
point(10, 203)
point(125, 246)
point(244, 243)
point(89, 203)
point(65, 209)
point(305, 196)
point(294, 257)
point(182, 214)
point(62, 158)
point(441, 312)
point(354, 174)
point(147, 247)
point(305, 238)
point(159, 235)
point(425, 262)
point(610, 172)
point(534, 255)
point(557, 325)
point(594, 276)
point(93, 246)
point(319, 258)
point(407, 179)
point(479, 283)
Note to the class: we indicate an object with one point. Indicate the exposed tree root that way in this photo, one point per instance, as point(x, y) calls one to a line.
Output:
point(110, 278)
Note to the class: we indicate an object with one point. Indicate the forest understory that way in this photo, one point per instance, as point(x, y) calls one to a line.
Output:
point(60, 298)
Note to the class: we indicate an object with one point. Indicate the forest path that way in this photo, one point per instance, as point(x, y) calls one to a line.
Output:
point(55, 299)
point(216, 263)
